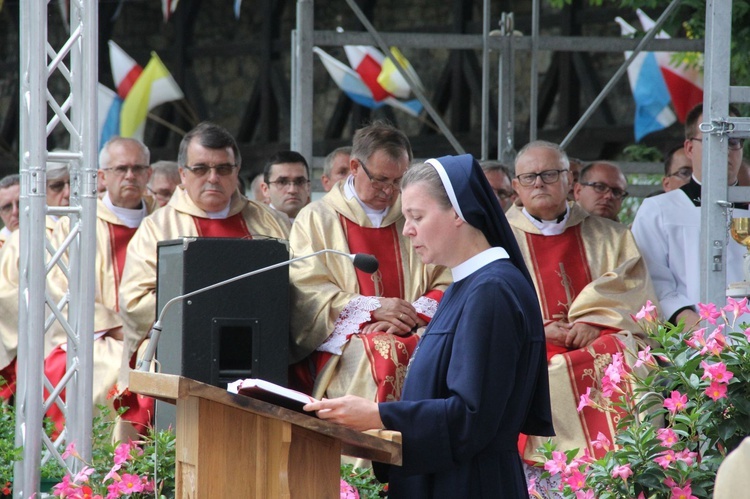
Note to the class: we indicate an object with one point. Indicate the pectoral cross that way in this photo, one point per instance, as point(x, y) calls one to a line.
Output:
point(377, 279)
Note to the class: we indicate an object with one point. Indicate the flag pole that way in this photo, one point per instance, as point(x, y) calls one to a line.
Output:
point(165, 123)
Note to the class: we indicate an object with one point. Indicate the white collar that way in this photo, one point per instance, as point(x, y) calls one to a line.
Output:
point(130, 217)
point(478, 261)
point(549, 227)
point(219, 215)
point(376, 216)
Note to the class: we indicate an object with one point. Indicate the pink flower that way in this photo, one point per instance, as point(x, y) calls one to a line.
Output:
point(602, 442)
point(686, 456)
point(747, 333)
point(646, 312)
point(716, 391)
point(666, 459)
point(715, 342)
point(585, 400)
point(609, 387)
point(623, 472)
point(676, 402)
point(113, 490)
point(83, 475)
point(616, 370)
point(641, 496)
point(697, 340)
point(645, 357)
point(70, 450)
point(557, 464)
point(347, 491)
point(683, 493)
point(112, 474)
point(576, 480)
point(737, 307)
point(64, 488)
point(669, 482)
point(667, 437)
point(122, 453)
point(130, 484)
point(585, 494)
point(708, 312)
point(716, 372)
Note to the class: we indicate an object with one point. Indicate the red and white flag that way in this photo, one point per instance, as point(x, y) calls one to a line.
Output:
point(685, 83)
point(167, 8)
point(125, 71)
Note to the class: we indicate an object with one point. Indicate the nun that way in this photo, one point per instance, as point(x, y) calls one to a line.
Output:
point(479, 375)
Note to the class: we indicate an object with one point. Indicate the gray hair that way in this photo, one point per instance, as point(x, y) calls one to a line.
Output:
point(10, 181)
point(167, 169)
point(380, 136)
point(543, 144)
point(494, 166)
point(105, 157)
point(328, 162)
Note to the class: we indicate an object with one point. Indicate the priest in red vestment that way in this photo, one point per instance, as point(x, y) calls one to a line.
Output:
point(589, 277)
point(354, 332)
point(207, 204)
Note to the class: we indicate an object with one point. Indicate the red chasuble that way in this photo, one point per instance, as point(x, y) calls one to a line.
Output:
point(388, 354)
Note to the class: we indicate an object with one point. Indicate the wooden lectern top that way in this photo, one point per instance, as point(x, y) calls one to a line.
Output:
point(376, 445)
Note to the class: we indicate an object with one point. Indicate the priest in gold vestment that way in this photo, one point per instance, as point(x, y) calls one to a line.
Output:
point(57, 194)
point(207, 204)
point(124, 171)
point(589, 277)
point(352, 332)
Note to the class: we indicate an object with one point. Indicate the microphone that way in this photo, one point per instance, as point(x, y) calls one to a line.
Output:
point(364, 262)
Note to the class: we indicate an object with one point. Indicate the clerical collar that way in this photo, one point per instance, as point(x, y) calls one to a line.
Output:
point(130, 217)
point(693, 191)
point(476, 262)
point(549, 227)
point(376, 216)
point(219, 215)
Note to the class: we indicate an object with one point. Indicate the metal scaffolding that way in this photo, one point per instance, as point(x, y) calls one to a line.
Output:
point(716, 126)
point(41, 111)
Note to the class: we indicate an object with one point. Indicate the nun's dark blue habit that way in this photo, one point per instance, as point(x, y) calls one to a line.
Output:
point(479, 375)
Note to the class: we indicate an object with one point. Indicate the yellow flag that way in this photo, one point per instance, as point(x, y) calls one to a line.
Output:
point(390, 78)
point(155, 86)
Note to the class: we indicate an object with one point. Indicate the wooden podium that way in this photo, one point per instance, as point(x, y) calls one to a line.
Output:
point(235, 446)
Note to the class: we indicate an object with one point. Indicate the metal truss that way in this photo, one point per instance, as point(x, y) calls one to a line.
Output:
point(43, 70)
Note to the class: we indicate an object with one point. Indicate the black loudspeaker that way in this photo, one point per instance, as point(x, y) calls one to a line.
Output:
point(239, 330)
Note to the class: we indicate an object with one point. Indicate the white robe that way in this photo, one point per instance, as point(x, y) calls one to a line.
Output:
point(667, 231)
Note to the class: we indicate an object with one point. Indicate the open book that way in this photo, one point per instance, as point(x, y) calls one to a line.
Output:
point(272, 393)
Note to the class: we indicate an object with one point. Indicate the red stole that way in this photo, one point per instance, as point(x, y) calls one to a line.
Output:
point(388, 354)
point(383, 243)
point(119, 237)
point(232, 226)
point(547, 253)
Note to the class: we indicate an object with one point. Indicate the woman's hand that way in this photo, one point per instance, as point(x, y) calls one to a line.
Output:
point(354, 412)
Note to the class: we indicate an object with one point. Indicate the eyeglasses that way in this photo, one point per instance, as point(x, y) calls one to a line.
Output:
point(202, 170)
point(547, 176)
point(502, 194)
point(732, 144)
point(7, 209)
point(58, 186)
point(122, 170)
point(380, 185)
point(601, 188)
point(285, 183)
point(161, 193)
point(684, 172)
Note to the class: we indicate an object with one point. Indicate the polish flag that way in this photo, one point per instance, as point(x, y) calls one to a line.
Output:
point(125, 71)
point(685, 83)
point(167, 8)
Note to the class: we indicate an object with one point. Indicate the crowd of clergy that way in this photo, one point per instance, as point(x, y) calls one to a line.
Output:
point(352, 332)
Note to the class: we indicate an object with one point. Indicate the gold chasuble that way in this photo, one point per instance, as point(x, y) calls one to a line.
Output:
point(332, 300)
point(591, 273)
point(9, 281)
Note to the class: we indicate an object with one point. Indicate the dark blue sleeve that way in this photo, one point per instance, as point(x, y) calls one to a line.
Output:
point(480, 378)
